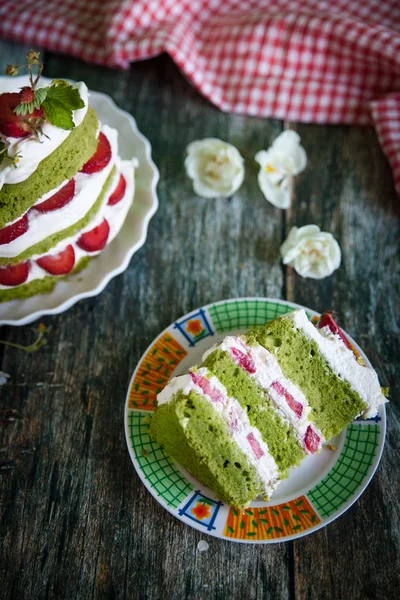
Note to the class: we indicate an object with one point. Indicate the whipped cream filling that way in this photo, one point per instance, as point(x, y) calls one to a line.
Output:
point(32, 151)
point(341, 359)
point(286, 398)
point(87, 190)
point(247, 437)
point(115, 216)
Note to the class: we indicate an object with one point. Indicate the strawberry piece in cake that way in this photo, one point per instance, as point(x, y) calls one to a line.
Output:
point(59, 199)
point(11, 232)
point(100, 158)
point(119, 192)
point(14, 274)
point(58, 264)
point(96, 239)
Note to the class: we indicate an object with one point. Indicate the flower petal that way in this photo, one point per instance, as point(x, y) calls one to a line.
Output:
point(277, 194)
point(285, 157)
point(286, 140)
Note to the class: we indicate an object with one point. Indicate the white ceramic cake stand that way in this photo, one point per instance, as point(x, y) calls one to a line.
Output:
point(115, 258)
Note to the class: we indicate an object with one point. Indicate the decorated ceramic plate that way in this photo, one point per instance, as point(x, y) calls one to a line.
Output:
point(316, 493)
point(115, 258)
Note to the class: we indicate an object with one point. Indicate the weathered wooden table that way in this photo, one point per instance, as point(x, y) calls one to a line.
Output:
point(77, 522)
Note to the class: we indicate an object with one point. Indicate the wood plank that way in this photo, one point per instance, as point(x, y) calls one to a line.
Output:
point(347, 189)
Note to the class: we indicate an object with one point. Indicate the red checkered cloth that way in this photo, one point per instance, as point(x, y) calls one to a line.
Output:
point(317, 61)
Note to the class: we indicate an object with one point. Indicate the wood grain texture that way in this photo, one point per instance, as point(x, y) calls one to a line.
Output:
point(77, 521)
point(347, 190)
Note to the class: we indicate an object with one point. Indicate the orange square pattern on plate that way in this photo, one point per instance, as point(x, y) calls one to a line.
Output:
point(154, 372)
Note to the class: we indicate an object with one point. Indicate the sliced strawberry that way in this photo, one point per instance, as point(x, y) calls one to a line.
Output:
point(295, 406)
point(59, 199)
point(96, 239)
point(58, 264)
point(244, 360)
point(11, 232)
point(100, 158)
point(14, 274)
point(119, 192)
point(206, 386)
point(255, 446)
point(326, 320)
point(11, 124)
point(311, 440)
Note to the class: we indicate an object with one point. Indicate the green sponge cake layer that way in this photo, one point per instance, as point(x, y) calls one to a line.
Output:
point(52, 240)
point(282, 442)
point(61, 165)
point(195, 435)
point(40, 286)
point(333, 401)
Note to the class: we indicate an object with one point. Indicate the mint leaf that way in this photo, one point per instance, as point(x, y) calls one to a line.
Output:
point(59, 103)
point(65, 94)
point(58, 115)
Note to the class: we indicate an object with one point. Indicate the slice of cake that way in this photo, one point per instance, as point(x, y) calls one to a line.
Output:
point(259, 403)
point(64, 191)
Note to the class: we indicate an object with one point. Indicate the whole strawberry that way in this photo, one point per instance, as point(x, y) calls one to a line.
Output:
point(26, 95)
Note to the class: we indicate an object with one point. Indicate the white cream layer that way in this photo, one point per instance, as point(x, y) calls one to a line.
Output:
point(32, 151)
point(87, 190)
point(115, 216)
point(237, 420)
point(341, 359)
point(268, 372)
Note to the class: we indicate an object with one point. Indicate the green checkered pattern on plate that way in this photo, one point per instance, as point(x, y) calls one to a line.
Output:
point(159, 470)
point(241, 314)
point(351, 468)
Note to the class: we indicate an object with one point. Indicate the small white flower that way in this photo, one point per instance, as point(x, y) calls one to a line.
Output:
point(215, 167)
point(286, 157)
point(312, 252)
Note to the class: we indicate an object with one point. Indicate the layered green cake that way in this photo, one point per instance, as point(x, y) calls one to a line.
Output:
point(64, 191)
point(261, 402)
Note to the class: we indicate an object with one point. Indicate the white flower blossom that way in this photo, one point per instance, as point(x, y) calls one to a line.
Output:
point(312, 252)
point(285, 158)
point(216, 168)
